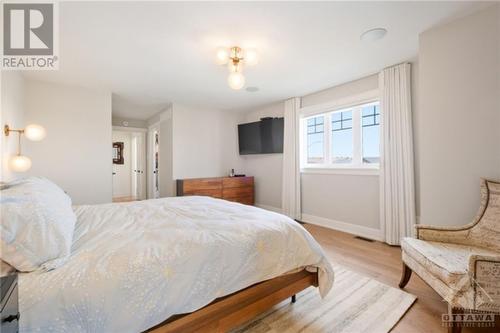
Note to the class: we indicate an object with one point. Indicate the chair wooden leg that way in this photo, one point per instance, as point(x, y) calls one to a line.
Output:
point(405, 276)
point(454, 326)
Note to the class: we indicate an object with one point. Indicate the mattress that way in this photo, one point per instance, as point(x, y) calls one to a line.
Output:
point(133, 265)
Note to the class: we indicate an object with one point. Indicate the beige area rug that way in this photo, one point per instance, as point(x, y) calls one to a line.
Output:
point(356, 304)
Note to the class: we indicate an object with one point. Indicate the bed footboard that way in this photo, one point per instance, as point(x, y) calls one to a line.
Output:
point(230, 311)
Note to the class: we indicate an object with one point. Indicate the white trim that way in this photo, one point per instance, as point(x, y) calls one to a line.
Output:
point(341, 103)
point(350, 228)
point(270, 208)
point(329, 170)
point(130, 129)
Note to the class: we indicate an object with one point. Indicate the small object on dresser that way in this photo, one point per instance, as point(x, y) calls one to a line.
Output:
point(231, 174)
point(241, 175)
point(9, 304)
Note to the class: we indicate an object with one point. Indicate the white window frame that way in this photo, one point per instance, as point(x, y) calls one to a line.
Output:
point(354, 103)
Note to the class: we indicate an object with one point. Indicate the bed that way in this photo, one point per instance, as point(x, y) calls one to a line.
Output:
point(172, 264)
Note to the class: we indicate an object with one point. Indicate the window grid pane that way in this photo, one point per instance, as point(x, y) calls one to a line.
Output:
point(342, 137)
point(371, 115)
point(342, 121)
point(315, 138)
point(371, 134)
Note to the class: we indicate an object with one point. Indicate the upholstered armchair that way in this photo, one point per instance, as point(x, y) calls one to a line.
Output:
point(462, 264)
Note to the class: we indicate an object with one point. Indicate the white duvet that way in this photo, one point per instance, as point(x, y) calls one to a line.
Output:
point(133, 265)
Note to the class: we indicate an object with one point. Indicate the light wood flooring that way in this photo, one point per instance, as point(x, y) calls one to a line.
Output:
point(124, 199)
point(383, 263)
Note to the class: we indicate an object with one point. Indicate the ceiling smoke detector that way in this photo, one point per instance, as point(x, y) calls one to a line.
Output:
point(252, 89)
point(373, 34)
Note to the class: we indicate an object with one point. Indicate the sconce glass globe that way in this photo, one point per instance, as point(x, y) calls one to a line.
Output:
point(19, 163)
point(34, 132)
point(222, 56)
point(251, 57)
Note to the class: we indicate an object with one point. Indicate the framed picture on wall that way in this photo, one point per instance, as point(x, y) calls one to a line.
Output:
point(117, 152)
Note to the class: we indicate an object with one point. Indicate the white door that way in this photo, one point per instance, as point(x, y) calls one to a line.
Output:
point(139, 165)
point(154, 158)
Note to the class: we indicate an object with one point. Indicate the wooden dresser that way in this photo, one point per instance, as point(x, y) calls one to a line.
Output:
point(238, 189)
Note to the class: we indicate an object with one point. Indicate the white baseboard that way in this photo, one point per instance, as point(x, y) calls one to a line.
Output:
point(271, 208)
point(350, 228)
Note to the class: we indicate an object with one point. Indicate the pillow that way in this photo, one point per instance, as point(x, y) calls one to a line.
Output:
point(36, 225)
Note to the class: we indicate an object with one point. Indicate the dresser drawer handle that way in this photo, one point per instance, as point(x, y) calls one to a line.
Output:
point(10, 318)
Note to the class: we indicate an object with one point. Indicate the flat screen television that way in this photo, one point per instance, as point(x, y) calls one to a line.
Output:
point(261, 137)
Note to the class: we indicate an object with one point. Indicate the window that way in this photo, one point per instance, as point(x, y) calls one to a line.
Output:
point(346, 138)
point(315, 139)
point(341, 144)
point(371, 133)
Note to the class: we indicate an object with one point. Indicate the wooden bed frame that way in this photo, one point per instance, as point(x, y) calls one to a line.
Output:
point(230, 311)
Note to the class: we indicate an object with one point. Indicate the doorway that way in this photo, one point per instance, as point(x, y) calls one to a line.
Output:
point(129, 164)
point(154, 161)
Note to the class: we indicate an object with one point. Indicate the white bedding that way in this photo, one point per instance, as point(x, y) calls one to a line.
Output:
point(133, 265)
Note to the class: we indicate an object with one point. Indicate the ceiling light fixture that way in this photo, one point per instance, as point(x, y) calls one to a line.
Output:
point(235, 58)
point(373, 34)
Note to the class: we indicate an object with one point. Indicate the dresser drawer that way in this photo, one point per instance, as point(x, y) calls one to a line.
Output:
point(202, 184)
point(10, 310)
point(237, 182)
point(237, 192)
point(215, 193)
point(246, 200)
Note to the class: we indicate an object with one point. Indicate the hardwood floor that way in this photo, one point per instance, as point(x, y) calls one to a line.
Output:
point(382, 262)
point(124, 199)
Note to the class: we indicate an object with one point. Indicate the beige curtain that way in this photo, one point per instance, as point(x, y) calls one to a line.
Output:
point(291, 160)
point(397, 184)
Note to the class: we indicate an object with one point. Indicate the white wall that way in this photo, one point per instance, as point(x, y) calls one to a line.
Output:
point(12, 87)
point(167, 183)
point(266, 168)
point(76, 154)
point(122, 177)
point(205, 142)
point(459, 119)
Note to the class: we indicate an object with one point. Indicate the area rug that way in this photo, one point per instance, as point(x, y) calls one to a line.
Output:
point(356, 304)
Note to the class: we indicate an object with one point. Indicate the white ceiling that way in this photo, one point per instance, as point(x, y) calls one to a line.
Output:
point(150, 54)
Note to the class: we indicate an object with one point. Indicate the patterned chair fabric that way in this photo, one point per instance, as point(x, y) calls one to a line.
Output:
point(462, 264)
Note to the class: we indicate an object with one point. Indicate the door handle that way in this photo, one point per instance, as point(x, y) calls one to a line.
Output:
point(114, 173)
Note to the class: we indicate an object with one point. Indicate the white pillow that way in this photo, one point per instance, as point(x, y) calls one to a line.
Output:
point(36, 226)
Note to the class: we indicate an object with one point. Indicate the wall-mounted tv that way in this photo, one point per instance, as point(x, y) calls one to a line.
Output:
point(261, 137)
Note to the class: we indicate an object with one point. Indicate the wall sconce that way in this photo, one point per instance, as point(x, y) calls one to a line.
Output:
point(20, 163)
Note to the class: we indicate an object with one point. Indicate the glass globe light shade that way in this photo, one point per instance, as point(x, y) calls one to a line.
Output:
point(35, 132)
point(236, 80)
point(19, 163)
point(222, 56)
point(251, 57)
